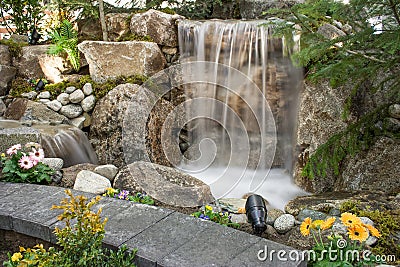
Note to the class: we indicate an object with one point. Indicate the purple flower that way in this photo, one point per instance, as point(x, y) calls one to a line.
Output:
point(204, 217)
point(123, 194)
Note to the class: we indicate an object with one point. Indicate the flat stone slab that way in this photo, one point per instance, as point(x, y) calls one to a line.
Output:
point(163, 237)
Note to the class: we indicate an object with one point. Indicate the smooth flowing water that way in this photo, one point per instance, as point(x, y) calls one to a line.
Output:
point(242, 109)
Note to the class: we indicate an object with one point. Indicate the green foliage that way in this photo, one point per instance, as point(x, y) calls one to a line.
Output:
point(25, 15)
point(126, 195)
point(65, 39)
point(198, 9)
point(15, 48)
point(357, 54)
point(209, 215)
point(80, 240)
point(387, 221)
point(24, 165)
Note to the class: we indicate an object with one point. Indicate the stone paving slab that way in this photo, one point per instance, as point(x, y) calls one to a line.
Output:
point(166, 236)
point(216, 246)
point(8, 188)
point(126, 220)
point(268, 253)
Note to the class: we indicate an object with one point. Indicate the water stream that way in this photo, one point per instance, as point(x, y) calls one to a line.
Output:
point(242, 112)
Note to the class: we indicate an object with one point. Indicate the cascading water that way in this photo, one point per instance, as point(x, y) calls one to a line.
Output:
point(66, 142)
point(242, 121)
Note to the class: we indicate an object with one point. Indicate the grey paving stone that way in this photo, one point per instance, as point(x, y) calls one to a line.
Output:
point(126, 220)
point(213, 247)
point(268, 253)
point(8, 188)
point(165, 236)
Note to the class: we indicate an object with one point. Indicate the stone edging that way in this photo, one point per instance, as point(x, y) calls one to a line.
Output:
point(163, 237)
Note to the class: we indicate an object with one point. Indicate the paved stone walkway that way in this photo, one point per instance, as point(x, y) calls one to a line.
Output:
point(163, 237)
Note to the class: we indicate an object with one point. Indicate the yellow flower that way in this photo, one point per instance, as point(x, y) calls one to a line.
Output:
point(305, 226)
point(22, 249)
point(317, 224)
point(350, 220)
point(328, 223)
point(372, 230)
point(16, 256)
point(3, 155)
point(241, 210)
point(358, 232)
point(208, 207)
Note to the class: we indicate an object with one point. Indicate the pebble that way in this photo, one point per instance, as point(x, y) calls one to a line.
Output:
point(77, 96)
point(63, 98)
point(87, 89)
point(284, 223)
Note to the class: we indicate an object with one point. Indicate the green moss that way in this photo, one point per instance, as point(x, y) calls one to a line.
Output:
point(135, 37)
point(20, 86)
point(99, 89)
point(15, 48)
point(386, 221)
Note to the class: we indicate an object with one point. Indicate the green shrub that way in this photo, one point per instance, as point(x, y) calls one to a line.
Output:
point(80, 243)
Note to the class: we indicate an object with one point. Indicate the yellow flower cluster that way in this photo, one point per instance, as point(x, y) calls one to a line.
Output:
point(31, 255)
point(357, 230)
point(307, 225)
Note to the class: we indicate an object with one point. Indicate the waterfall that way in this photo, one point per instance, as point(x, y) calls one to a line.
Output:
point(242, 112)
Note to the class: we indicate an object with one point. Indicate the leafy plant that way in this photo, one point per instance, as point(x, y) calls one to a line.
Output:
point(80, 242)
point(125, 195)
point(24, 165)
point(208, 214)
point(24, 14)
point(65, 39)
point(340, 251)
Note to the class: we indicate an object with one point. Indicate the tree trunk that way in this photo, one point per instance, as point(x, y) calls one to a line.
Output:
point(103, 20)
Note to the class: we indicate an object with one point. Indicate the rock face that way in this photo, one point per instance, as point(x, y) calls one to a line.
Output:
point(7, 74)
point(164, 184)
point(108, 60)
point(30, 111)
point(28, 64)
point(254, 9)
point(361, 171)
point(107, 121)
point(5, 56)
point(53, 67)
point(117, 25)
point(161, 27)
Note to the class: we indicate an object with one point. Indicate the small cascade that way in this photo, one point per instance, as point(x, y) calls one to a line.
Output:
point(242, 111)
point(66, 142)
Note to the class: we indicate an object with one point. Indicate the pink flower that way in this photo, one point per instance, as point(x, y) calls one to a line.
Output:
point(36, 155)
point(25, 163)
point(14, 149)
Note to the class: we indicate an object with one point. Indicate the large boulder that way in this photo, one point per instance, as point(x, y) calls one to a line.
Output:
point(127, 125)
point(161, 27)
point(53, 67)
point(107, 122)
point(12, 133)
point(33, 112)
point(165, 184)
point(117, 25)
point(108, 60)
point(28, 63)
